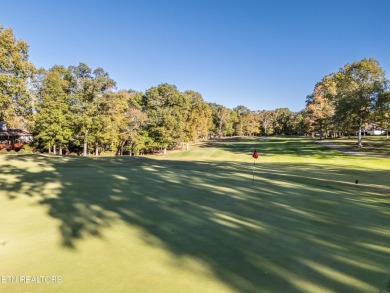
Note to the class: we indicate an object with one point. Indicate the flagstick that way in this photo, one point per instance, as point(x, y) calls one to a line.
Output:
point(254, 165)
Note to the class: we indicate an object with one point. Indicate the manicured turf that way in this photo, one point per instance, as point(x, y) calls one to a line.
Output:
point(372, 145)
point(193, 221)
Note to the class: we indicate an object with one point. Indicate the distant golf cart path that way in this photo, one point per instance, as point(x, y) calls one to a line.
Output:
point(349, 152)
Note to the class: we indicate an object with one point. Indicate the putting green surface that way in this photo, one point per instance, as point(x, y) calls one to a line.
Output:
point(195, 221)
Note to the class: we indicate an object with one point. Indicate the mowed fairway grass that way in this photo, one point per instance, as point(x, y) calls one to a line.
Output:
point(193, 221)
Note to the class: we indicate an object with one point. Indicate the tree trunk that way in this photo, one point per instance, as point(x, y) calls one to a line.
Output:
point(187, 146)
point(360, 134)
point(96, 149)
point(54, 149)
point(60, 150)
point(220, 129)
point(119, 150)
point(85, 148)
point(122, 144)
point(165, 151)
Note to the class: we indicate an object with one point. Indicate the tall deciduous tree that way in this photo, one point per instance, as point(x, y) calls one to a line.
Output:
point(296, 123)
point(199, 118)
point(168, 109)
point(320, 110)
point(359, 85)
point(15, 73)
point(126, 120)
point(242, 119)
point(281, 116)
point(88, 104)
point(53, 120)
point(266, 118)
point(251, 123)
point(223, 120)
point(383, 111)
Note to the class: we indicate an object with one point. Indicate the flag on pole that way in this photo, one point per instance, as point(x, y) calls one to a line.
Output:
point(255, 156)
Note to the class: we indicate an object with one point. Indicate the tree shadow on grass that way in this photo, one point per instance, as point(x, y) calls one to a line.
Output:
point(290, 231)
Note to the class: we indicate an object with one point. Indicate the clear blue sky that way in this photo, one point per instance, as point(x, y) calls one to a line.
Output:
point(260, 54)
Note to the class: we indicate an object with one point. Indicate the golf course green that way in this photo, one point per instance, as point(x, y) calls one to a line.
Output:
point(304, 218)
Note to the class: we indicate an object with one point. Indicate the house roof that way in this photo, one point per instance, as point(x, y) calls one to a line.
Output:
point(14, 132)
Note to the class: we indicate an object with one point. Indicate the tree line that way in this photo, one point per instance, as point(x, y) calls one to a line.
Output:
point(79, 108)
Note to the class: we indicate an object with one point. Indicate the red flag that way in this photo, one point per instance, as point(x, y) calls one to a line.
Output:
point(255, 155)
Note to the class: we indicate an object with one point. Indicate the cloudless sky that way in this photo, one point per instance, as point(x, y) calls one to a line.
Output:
point(262, 54)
